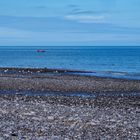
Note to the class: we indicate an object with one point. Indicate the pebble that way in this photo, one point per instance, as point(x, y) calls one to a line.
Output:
point(67, 121)
point(139, 123)
point(6, 70)
point(51, 118)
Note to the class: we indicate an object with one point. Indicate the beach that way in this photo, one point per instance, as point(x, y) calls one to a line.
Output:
point(69, 70)
point(39, 117)
point(56, 80)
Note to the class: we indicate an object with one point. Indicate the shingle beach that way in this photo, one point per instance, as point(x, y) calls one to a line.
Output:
point(68, 117)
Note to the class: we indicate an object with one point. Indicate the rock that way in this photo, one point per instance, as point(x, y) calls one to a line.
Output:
point(41, 117)
point(50, 118)
point(139, 123)
point(14, 136)
point(6, 70)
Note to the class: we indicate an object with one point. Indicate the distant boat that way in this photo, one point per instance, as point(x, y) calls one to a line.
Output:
point(41, 51)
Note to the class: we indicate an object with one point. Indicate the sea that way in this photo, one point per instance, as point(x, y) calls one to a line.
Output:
point(117, 62)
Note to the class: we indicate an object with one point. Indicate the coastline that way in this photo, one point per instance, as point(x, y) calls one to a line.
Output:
point(67, 117)
point(55, 80)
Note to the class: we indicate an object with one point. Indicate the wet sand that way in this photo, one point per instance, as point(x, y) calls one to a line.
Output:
point(63, 117)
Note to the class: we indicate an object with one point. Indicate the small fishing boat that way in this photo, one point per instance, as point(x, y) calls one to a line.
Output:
point(41, 51)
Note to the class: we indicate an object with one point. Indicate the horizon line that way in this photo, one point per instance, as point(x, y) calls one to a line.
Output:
point(70, 46)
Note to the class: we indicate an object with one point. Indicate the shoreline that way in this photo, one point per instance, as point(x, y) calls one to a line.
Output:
point(41, 70)
point(67, 117)
point(52, 80)
point(86, 73)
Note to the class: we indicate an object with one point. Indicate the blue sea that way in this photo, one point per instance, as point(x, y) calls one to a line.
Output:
point(116, 62)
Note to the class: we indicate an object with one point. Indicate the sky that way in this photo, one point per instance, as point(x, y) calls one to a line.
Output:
point(70, 23)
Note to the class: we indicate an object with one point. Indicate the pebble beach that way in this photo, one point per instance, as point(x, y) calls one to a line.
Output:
point(37, 118)
point(67, 117)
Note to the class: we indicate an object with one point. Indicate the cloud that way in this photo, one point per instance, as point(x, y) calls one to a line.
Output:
point(9, 36)
point(69, 23)
point(41, 7)
point(86, 15)
point(85, 18)
point(72, 5)
point(77, 11)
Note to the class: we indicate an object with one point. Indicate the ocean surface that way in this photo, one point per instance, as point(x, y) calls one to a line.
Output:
point(116, 62)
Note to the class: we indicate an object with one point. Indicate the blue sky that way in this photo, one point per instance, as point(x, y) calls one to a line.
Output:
point(74, 22)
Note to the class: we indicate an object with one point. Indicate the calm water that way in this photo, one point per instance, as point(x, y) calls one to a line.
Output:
point(104, 61)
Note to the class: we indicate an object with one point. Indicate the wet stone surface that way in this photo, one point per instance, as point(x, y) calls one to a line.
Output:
point(58, 118)
point(54, 80)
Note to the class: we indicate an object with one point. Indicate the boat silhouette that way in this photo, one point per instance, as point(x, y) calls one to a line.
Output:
point(41, 51)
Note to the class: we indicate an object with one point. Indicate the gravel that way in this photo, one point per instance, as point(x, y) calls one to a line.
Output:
point(40, 118)
point(66, 83)
point(35, 117)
